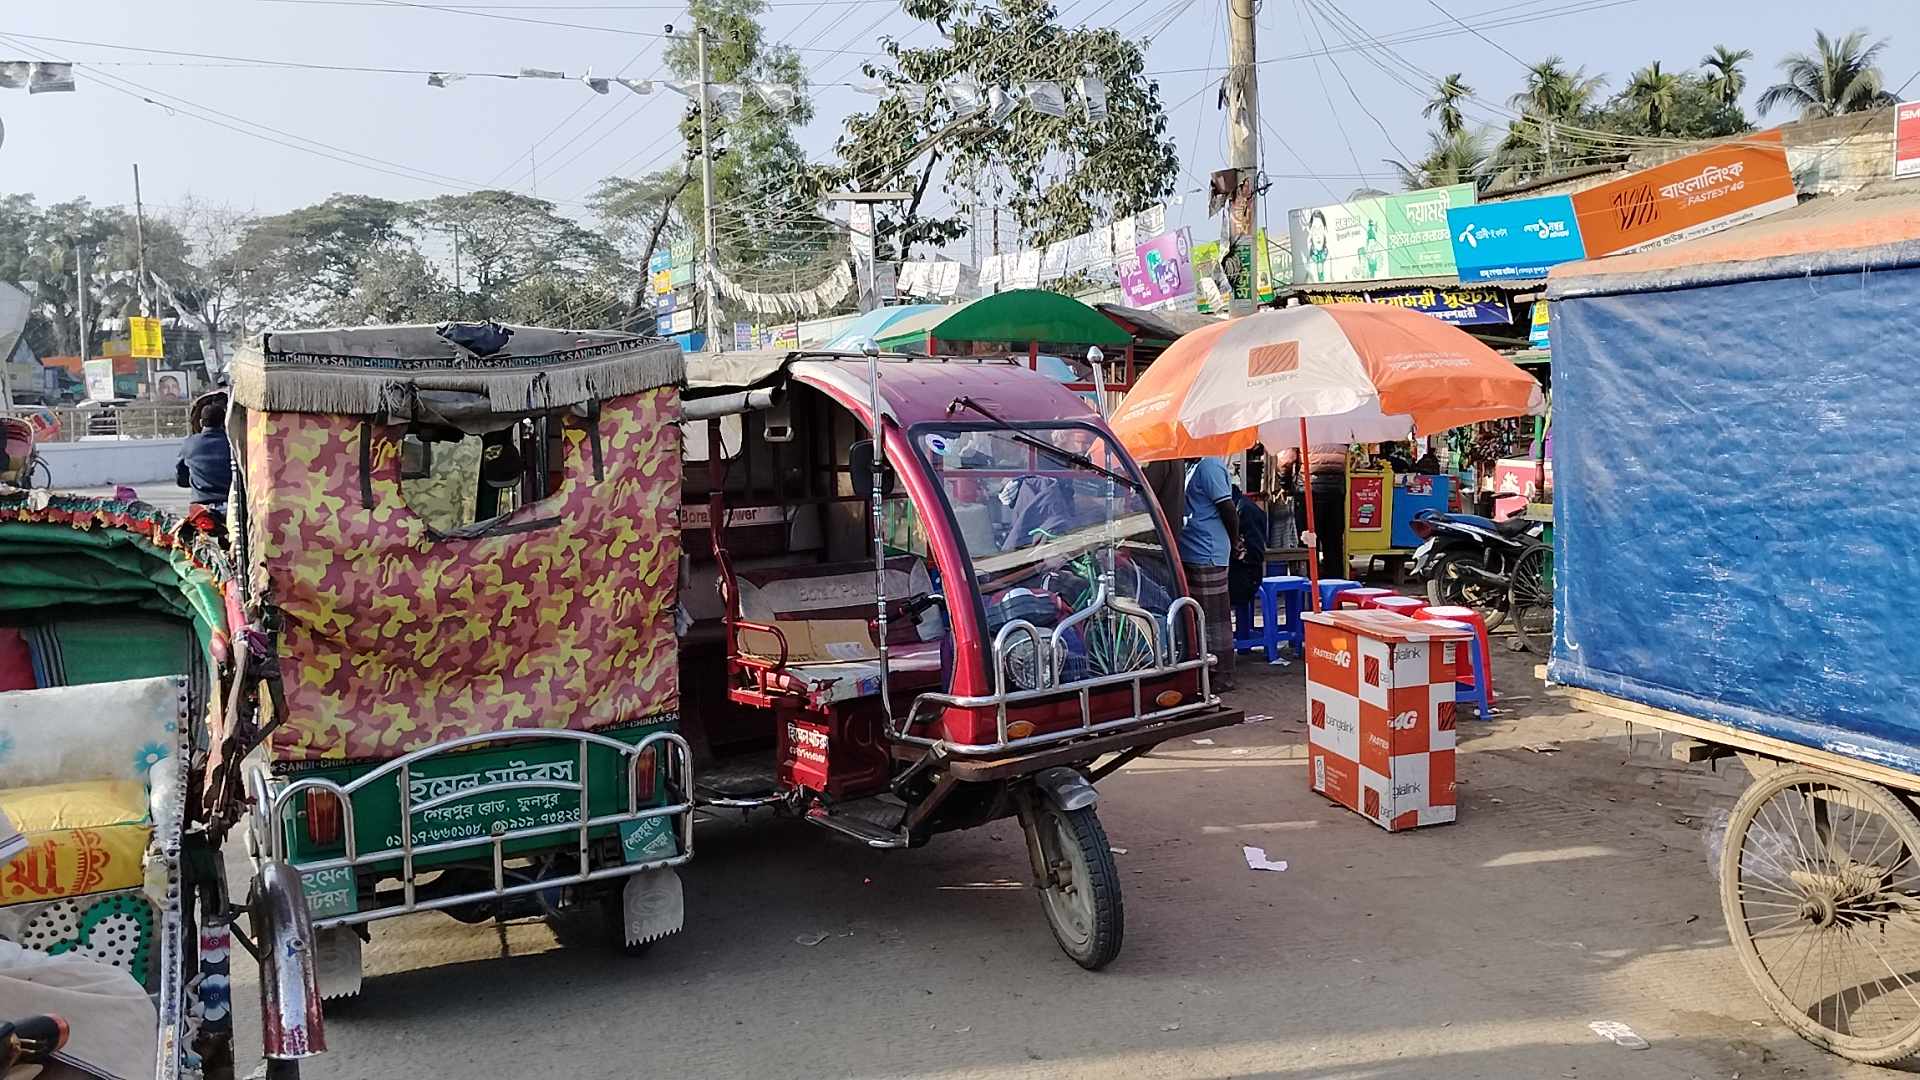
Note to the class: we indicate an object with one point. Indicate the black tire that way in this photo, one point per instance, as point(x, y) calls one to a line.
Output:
point(1446, 585)
point(1081, 893)
point(1530, 602)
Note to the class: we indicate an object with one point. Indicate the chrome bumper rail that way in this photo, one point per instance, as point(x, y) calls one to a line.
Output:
point(271, 800)
point(1050, 645)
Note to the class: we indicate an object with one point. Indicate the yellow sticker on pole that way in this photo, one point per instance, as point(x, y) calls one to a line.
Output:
point(146, 338)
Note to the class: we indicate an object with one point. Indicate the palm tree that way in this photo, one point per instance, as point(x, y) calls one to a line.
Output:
point(1839, 76)
point(1652, 92)
point(1459, 157)
point(1552, 96)
point(1446, 104)
point(1726, 81)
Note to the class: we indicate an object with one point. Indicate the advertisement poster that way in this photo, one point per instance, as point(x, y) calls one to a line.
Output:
point(1906, 139)
point(742, 336)
point(145, 338)
point(1212, 292)
point(1701, 193)
point(1378, 238)
point(1161, 270)
point(1463, 305)
point(1517, 240)
point(1365, 496)
point(100, 380)
point(1538, 336)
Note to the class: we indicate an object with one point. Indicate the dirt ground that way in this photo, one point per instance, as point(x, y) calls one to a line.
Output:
point(1575, 887)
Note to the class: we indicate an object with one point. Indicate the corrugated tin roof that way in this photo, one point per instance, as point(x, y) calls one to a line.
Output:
point(1881, 214)
point(1155, 325)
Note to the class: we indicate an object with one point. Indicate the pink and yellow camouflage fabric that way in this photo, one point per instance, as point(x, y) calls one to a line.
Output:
point(393, 641)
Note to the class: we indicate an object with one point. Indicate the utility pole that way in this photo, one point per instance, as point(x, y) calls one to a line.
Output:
point(458, 291)
point(1243, 151)
point(140, 250)
point(80, 300)
point(711, 260)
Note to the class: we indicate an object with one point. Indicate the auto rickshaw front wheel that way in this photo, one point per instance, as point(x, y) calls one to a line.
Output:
point(1079, 884)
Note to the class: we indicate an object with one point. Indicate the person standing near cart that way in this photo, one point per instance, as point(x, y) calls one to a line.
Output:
point(1209, 540)
point(1325, 482)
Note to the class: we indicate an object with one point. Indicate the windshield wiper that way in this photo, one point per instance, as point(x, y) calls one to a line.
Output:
point(1062, 453)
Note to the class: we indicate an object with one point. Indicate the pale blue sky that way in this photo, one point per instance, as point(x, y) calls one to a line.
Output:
point(480, 132)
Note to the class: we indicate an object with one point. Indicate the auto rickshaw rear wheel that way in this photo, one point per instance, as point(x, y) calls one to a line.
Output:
point(1079, 885)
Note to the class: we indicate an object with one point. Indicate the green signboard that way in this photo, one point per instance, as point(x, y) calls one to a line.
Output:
point(1378, 238)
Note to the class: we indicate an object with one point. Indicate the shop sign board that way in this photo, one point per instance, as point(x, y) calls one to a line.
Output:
point(1510, 241)
point(1702, 193)
point(682, 320)
point(1376, 239)
point(1539, 336)
point(1160, 271)
point(1365, 498)
point(1462, 305)
point(1906, 139)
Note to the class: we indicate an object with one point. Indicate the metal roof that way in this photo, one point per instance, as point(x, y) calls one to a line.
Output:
point(1155, 325)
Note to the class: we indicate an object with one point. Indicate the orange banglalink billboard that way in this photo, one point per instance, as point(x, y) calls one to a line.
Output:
point(1698, 194)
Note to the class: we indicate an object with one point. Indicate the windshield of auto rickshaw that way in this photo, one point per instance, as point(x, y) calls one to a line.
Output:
point(1047, 514)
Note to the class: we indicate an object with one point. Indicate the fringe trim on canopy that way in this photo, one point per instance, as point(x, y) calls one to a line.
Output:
point(362, 386)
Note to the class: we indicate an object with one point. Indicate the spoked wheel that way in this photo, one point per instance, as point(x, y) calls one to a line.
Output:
point(1453, 584)
point(1530, 601)
point(1080, 888)
point(1821, 890)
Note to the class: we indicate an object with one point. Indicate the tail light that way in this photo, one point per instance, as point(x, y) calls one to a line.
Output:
point(645, 774)
point(1421, 528)
point(325, 819)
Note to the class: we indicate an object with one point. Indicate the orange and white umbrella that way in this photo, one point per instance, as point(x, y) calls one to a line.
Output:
point(1353, 372)
point(1343, 373)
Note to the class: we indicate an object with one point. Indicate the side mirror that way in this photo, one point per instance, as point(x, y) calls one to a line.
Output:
point(860, 465)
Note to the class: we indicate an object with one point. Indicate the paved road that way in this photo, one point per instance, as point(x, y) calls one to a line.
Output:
point(1574, 888)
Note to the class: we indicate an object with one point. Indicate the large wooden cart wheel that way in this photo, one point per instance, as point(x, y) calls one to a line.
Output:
point(1820, 882)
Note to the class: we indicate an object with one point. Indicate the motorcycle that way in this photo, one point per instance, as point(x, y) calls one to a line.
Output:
point(1468, 561)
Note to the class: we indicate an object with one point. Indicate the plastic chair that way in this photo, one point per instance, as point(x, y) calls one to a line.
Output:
point(1331, 587)
point(1479, 688)
point(1247, 634)
point(1276, 624)
point(1400, 605)
point(1359, 597)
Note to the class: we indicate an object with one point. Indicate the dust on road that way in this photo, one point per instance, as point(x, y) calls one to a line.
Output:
point(1574, 888)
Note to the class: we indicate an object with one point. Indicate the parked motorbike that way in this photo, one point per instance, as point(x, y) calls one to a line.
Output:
point(1468, 560)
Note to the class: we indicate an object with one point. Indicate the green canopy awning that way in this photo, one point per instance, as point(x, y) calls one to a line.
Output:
point(1021, 315)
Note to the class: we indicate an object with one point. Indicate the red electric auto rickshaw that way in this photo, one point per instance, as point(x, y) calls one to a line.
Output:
point(974, 617)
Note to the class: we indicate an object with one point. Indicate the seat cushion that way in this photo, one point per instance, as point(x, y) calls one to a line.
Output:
point(83, 837)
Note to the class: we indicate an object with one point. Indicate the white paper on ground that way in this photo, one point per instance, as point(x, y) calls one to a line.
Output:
point(1257, 859)
point(1619, 1034)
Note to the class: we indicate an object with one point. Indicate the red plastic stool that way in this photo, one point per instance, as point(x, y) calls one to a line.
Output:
point(1473, 619)
point(1399, 605)
point(1361, 597)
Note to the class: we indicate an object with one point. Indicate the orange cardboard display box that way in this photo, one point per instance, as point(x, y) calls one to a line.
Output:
point(1380, 738)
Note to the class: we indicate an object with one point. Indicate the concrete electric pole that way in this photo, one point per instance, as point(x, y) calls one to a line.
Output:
point(711, 260)
point(1243, 153)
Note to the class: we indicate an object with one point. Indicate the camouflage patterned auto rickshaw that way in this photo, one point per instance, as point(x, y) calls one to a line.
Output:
point(461, 546)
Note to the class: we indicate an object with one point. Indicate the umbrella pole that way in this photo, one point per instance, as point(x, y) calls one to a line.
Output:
point(1305, 476)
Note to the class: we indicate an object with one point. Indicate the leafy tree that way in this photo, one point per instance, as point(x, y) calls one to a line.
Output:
point(293, 266)
point(517, 253)
point(1839, 76)
point(1058, 175)
point(1551, 98)
point(1654, 93)
point(1724, 77)
point(1445, 104)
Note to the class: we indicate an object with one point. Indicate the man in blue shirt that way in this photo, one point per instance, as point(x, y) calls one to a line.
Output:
point(1209, 539)
point(206, 461)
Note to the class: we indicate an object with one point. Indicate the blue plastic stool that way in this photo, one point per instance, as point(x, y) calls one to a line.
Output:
point(1331, 587)
point(1474, 692)
point(1246, 633)
point(1276, 625)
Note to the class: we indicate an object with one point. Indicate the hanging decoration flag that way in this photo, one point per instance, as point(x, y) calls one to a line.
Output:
point(50, 78)
point(990, 273)
point(964, 97)
point(909, 281)
point(1026, 270)
point(1045, 98)
point(685, 87)
point(1079, 253)
point(812, 301)
point(1053, 266)
point(442, 78)
point(14, 74)
point(1150, 223)
point(596, 84)
point(779, 95)
point(873, 89)
point(946, 280)
point(727, 97)
point(638, 86)
point(541, 73)
point(1000, 105)
point(1093, 91)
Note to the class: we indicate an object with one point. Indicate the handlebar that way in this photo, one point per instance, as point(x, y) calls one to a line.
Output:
point(31, 1041)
